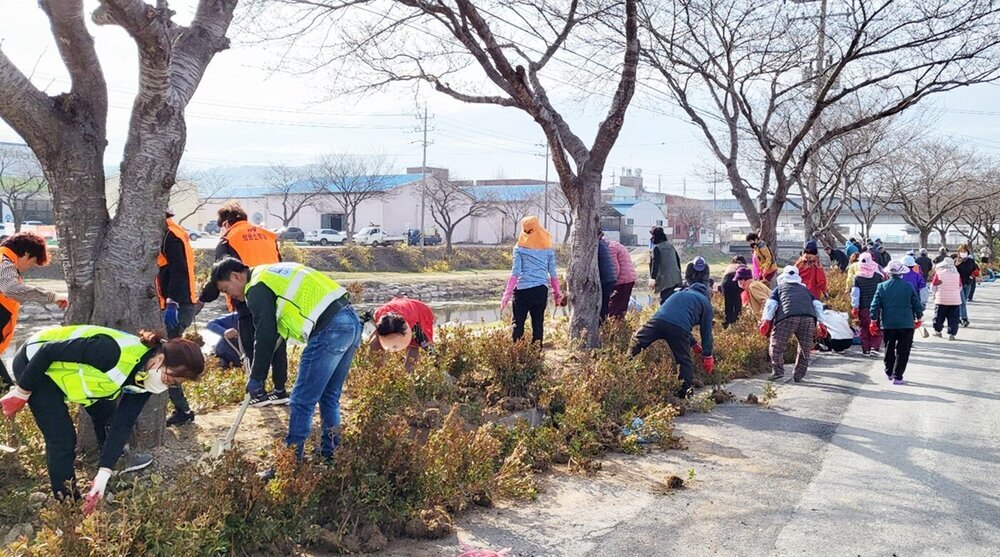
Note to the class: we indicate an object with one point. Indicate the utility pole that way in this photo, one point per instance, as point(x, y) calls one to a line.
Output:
point(715, 208)
point(545, 203)
point(423, 181)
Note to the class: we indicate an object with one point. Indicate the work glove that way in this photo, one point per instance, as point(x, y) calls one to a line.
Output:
point(508, 293)
point(917, 324)
point(854, 313)
point(821, 331)
point(765, 328)
point(696, 348)
point(97, 489)
point(651, 283)
point(170, 317)
point(556, 292)
point(709, 364)
point(873, 329)
point(62, 303)
point(14, 401)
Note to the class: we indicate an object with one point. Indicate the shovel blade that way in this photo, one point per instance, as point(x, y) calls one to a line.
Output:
point(7, 449)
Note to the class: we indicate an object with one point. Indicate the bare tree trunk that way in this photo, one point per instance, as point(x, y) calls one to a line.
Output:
point(447, 240)
point(769, 230)
point(582, 273)
point(925, 234)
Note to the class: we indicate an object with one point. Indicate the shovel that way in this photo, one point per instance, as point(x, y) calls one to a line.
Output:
point(222, 445)
point(15, 437)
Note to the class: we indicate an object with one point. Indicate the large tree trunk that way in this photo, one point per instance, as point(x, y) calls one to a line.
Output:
point(769, 230)
point(582, 276)
point(126, 266)
point(925, 234)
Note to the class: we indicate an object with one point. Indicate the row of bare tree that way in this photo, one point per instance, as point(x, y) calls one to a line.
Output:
point(767, 83)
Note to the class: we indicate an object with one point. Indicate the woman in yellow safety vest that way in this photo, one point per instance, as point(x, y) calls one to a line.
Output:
point(92, 366)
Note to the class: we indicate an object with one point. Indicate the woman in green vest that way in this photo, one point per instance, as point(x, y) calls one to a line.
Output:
point(92, 366)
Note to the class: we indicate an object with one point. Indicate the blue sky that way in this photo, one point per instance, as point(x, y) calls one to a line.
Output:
point(244, 113)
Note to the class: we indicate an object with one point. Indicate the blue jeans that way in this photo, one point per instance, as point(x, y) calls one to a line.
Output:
point(322, 372)
point(965, 296)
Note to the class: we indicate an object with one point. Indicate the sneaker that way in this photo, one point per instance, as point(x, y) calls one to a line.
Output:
point(951, 337)
point(775, 377)
point(259, 399)
point(130, 462)
point(888, 376)
point(937, 334)
point(277, 397)
point(180, 418)
point(797, 378)
point(965, 322)
point(898, 382)
point(267, 475)
point(863, 353)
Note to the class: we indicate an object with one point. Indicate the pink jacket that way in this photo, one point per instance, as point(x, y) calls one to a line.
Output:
point(947, 289)
point(623, 261)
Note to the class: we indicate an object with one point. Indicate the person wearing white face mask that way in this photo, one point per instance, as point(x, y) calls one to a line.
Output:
point(92, 366)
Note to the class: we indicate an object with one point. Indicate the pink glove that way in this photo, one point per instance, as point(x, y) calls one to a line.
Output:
point(556, 293)
point(508, 293)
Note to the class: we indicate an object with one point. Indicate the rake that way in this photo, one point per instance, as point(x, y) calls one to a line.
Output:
point(224, 444)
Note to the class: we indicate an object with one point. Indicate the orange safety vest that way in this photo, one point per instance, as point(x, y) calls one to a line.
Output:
point(161, 261)
point(254, 245)
point(10, 304)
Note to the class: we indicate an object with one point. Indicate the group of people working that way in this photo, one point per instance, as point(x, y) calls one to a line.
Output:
point(112, 373)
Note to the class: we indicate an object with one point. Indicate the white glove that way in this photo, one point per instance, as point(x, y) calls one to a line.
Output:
point(97, 489)
point(651, 283)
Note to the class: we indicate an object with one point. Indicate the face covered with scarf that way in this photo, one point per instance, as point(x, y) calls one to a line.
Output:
point(868, 268)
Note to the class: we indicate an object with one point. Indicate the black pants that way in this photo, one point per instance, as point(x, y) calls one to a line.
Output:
point(732, 296)
point(972, 290)
point(607, 288)
point(48, 406)
point(279, 360)
point(837, 345)
point(951, 313)
point(898, 343)
point(530, 301)
point(6, 382)
point(666, 293)
point(679, 340)
point(185, 316)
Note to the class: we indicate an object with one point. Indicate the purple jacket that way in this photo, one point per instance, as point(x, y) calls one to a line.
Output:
point(918, 283)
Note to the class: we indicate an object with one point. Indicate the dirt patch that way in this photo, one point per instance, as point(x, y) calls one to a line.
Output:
point(260, 429)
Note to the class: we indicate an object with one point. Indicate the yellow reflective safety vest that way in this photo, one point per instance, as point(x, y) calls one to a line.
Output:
point(303, 294)
point(83, 383)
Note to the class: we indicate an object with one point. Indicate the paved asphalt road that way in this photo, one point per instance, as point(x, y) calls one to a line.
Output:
point(845, 464)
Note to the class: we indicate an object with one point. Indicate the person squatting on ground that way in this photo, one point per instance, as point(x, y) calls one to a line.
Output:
point(732, 292)
point(840, 334)
point(607, 271)
point(811, 270)
point(946, 287)
point(664, 266)
point(697, 271)
point(175, 288)
point(19, 253)
point(673, 322)
point(625, 271)
point(862, 291)
point(227, 348)
point(403, 324)
point(791, 310)
point(92, 366)
point(253, 245)
point(289, 300)
point(534, 267)
point(897, 310)
point(764, 265)
point(838, 258)
point(968, 270)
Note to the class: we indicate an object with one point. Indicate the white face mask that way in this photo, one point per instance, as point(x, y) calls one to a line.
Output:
point(153, 382)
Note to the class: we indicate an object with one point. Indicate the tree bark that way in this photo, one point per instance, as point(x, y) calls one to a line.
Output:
point(582, 275)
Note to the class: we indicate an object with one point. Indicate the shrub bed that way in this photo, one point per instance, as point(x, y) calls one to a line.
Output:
point(417, 448)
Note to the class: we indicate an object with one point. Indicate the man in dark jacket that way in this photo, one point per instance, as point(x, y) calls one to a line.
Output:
point(791, 310)
point(664, 266)
point(897, 309)
point(673, 322)
point(968, 270)
point(925, 263)
point(882, 257)
point(942, 253)
point(606, 268)
point(838, 257)
point(697, 271)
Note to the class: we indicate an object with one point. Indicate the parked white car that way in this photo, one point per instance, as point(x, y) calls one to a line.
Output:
point(325, 237)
